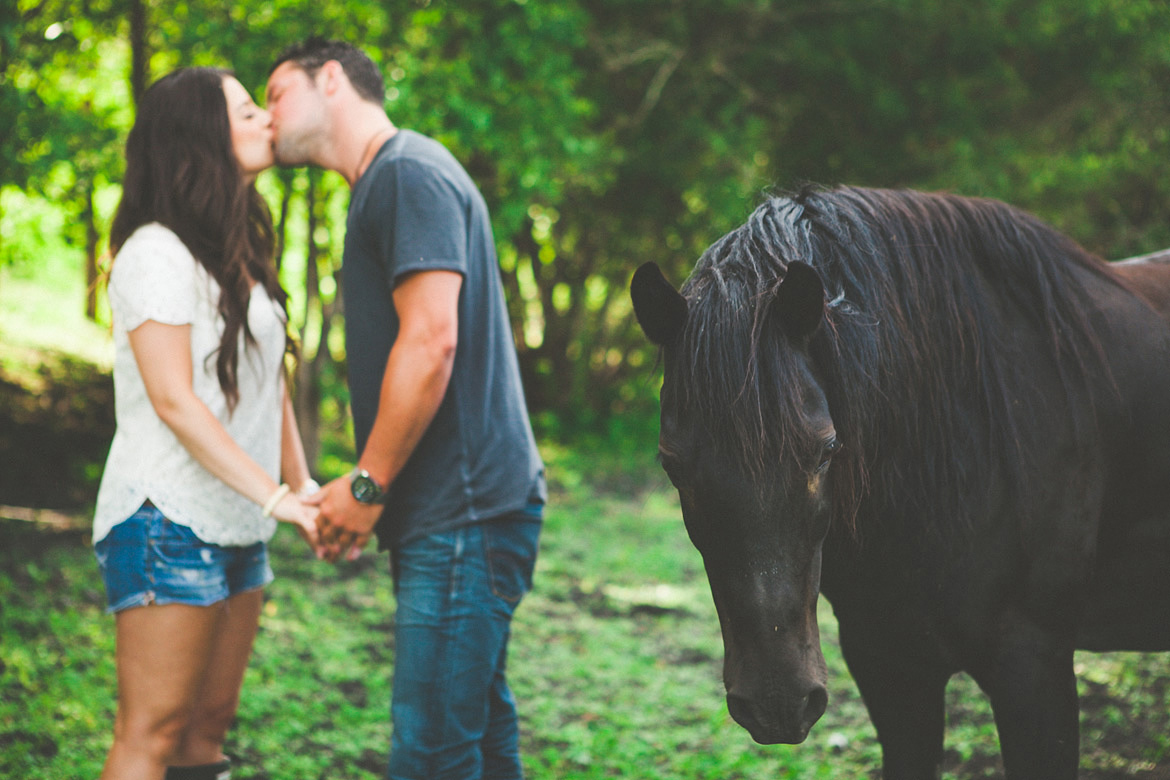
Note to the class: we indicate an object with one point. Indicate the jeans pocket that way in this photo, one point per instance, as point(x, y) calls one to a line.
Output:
point(124, 544)
point(177, 546)
point(511, 556)
point(101, 551)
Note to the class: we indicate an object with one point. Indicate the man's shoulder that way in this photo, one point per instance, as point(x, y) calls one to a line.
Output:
point(417, 175)
point(411, 153)
point(412, 144)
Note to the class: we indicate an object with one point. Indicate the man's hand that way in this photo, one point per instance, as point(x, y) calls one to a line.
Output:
point(344, 524)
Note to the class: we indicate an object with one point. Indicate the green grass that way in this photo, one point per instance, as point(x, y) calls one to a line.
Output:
point(615, 664)
point(615, 661)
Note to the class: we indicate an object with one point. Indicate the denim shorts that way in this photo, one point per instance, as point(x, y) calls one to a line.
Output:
point(147, 559)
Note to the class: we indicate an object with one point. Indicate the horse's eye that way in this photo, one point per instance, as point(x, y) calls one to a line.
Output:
point(831, 448)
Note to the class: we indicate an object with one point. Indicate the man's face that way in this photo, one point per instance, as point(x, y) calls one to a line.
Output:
point(299, 119)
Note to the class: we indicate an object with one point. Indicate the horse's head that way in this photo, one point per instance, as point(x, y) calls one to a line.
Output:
point(759, 518)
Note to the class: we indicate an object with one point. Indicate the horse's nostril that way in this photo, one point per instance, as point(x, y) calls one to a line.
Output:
point(770, 722)
point(814, 706)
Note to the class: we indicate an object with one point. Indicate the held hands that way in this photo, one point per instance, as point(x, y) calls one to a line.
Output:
point(343, 524)
point(293, 509)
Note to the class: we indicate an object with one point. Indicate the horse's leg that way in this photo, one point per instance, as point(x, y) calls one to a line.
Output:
point(905, 696)
point(1033, 693)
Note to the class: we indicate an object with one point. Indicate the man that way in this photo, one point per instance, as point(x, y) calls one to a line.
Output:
point(449, 477)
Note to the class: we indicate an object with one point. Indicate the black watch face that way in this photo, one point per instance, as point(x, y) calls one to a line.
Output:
point(365, 489)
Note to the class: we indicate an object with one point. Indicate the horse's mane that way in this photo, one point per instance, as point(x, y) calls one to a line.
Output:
point(922, 369)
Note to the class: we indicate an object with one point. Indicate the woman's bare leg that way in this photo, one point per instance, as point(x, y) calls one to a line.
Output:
point(162, 659)
point(218, 696)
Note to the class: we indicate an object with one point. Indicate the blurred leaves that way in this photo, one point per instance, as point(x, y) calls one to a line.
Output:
point(605, 133)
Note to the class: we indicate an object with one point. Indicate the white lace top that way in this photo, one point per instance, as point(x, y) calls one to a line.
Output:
point(155, 277)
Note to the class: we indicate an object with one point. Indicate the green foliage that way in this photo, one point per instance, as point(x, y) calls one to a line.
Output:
point(607, 133)
point(64, 104)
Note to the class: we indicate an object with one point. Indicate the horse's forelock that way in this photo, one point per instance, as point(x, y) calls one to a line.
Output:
point(733, 375)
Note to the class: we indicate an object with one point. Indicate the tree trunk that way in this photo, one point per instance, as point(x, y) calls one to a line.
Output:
point(307, 403)
point(286, 181)
point(139, 54)
point(91, 255)
point(2, 260)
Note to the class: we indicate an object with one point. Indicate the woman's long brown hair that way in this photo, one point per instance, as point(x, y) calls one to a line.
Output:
point(181, 172)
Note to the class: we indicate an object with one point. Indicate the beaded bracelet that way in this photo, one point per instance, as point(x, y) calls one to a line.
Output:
point(280, 493)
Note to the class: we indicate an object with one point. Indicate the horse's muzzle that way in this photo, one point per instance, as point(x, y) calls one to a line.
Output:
point(779, 721)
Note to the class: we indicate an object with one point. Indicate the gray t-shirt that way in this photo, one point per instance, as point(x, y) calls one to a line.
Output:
point(416, 209)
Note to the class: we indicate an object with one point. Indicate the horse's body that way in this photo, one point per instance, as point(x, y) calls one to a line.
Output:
point(1149, 275)
point(1000, 401)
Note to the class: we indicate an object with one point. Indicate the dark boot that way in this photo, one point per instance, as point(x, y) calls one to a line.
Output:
point(221, 770)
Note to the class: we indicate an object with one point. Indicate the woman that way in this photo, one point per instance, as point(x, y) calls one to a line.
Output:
point(190, 494)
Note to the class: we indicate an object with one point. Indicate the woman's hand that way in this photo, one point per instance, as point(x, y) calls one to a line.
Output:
point(293, 510)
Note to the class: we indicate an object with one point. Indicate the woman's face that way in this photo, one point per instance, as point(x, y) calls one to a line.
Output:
point(251, 129)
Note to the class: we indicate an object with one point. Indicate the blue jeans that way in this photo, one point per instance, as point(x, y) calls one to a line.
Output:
point(453, 714)
point(147, 559)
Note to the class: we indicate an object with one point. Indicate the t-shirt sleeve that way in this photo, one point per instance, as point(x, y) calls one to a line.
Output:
point(423, 221)
point(153, 278)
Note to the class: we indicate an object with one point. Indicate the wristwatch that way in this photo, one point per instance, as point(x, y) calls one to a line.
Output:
point(364, 489)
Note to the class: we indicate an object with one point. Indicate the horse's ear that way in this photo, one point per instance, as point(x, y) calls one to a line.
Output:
point(660, 309)
point(799, 301)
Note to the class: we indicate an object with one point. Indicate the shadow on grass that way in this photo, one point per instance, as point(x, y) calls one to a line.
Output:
point(56, 423)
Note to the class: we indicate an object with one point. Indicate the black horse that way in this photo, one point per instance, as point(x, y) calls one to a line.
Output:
point(952, 421)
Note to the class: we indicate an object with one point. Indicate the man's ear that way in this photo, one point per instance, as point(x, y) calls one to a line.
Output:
point(330, 77)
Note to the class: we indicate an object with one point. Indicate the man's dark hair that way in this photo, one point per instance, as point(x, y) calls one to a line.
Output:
point(310, 54)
